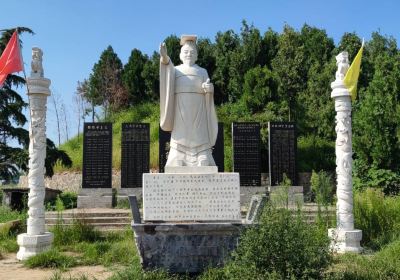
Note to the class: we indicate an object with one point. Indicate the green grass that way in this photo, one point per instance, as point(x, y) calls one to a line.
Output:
point(146, 113)
point(75, 233)
point(378, 217)
point(385, 264)
point(6, 214)
point(8, 231)
point(59, 276)
point(51, 259)
point(94, 247)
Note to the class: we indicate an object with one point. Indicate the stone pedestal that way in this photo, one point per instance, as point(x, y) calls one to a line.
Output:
point(36, 240)
point(344, 241)
point(95, 198)
point(185, 247)
point(193, 219)
point(344, 237)
point(33, 244)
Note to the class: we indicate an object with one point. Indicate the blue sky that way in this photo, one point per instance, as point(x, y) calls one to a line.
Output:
point(72, 34)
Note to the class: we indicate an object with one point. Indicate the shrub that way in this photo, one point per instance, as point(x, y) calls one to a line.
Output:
point(377, 216)
point(51, 259)
point(282, 245)
point(322, 186)
point(370, 177)
point(315, 153)
point(69, 199)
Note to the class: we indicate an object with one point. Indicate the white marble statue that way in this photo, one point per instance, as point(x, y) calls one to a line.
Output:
point(342, 63)
point(187, 107)
point(36, 64)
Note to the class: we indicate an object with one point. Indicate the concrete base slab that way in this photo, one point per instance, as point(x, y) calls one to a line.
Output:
point(95, 198)
point(185, 247)
point(31, 245)
point(344, 241)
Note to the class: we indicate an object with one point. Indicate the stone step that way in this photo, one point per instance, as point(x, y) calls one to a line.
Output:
point(82, 213)
point(101, 226)
point(89, 220)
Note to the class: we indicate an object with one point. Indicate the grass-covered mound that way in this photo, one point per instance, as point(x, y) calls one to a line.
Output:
point(314, 153)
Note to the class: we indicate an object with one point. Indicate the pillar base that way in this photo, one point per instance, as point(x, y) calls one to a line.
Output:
point(31, 245)
point(345, 241)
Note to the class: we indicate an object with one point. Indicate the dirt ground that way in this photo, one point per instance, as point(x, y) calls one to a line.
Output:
point(12, 269)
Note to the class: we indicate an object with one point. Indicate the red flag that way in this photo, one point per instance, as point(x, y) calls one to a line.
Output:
point(11, 59)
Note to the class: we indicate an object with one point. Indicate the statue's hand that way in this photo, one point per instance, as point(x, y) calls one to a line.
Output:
point(208, 87)
point(163, 53)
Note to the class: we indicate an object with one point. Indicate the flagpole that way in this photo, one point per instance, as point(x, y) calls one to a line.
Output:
point(26, 82)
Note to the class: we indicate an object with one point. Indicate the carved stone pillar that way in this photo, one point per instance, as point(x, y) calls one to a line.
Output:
point(36, 240)
point(344, 237)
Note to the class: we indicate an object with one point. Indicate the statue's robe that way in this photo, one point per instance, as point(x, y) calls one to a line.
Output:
point(186, 110)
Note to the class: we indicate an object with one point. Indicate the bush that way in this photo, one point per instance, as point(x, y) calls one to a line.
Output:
point(322, 186)
point(370, 177)
point(377, 216)
point(315, 153)
point(69, 199)
point(51, 259)
point(281, 246)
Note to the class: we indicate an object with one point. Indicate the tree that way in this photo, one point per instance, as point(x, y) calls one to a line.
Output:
point(64, 113)
point(225, 45)
point(260, 87)
point(55, 100)
point(174, 48)
point(133, 77)
point(289, 66)
point(12, 119)
point(206, 58)
point(315, 111)
point(150, 75)
point(376, 118)
point(105, 83)
point(81, 108)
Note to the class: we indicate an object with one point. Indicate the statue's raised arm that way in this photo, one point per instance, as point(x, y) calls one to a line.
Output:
point(163, 53)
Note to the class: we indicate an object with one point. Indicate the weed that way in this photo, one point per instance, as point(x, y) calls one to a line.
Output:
point(377, 216)
point(51, 259)
point(77, 232)
point(58, 276)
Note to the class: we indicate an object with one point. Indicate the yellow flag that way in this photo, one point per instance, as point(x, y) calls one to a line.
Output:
point(351, 78)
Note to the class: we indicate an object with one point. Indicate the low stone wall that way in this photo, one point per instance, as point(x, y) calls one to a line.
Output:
point(69, 181)
point(72, 181)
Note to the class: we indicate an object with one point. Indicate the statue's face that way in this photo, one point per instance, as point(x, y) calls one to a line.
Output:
point(188, 54)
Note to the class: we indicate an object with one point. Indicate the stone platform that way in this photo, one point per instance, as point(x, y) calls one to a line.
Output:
point(185, 247)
